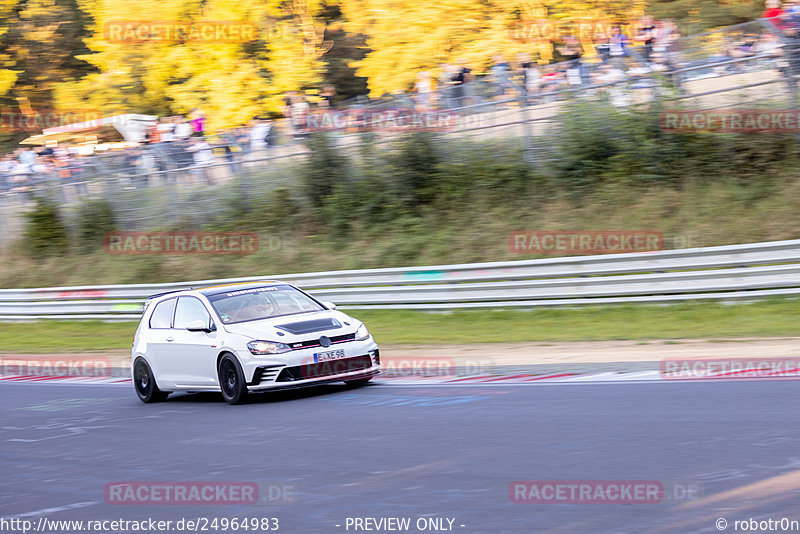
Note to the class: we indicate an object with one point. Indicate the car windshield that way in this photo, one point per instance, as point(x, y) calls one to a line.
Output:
point(256, 303)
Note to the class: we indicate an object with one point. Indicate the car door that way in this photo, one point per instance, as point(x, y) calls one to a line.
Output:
point(193, 354)
point(160, 337)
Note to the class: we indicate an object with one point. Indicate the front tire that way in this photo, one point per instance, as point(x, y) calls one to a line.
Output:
point(231, 380)
point(145, 383)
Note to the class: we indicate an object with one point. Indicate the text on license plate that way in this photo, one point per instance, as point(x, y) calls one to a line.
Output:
point(329, 355)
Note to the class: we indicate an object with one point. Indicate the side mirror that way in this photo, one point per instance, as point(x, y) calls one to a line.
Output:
point(198, 326)
point(329, 305)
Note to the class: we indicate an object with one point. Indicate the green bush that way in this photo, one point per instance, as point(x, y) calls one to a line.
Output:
point(596, 143)
point(277, 210)
point(325, 168)
point(45, 233)
point(415, 165)
point(95, 220)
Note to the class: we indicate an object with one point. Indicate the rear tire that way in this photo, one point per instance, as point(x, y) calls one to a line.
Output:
point(145, 383)
point(231, 380)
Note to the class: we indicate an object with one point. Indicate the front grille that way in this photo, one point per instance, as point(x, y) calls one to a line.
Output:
point(330, 368)
point(265, 374)
point(315, 342)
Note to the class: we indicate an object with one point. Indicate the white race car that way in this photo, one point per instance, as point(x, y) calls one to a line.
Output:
point(246, 337)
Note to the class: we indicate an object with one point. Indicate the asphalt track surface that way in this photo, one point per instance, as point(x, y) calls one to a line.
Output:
point(389, 450)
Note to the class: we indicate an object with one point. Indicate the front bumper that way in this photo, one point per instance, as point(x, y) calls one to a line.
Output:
point(297, 373)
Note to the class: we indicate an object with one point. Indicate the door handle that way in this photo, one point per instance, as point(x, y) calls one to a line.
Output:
point(170, 339)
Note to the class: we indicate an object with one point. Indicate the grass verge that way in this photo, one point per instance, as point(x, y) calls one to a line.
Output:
point(768, 318)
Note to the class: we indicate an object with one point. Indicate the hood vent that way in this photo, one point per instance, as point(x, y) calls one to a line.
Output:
point(314, 325)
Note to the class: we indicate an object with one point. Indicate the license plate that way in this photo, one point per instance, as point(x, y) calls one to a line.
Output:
point(328, 356)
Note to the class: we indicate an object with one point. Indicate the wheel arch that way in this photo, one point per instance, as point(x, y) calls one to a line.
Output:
point(222, 354)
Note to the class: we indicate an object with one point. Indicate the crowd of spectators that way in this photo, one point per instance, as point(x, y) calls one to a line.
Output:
point(177, 144)
point(181, 142)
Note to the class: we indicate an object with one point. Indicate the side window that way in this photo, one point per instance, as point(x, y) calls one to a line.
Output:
point(162, 314)
point(190, 309)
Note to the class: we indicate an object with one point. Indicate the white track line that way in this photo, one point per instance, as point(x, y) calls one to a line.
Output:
point(449, 380)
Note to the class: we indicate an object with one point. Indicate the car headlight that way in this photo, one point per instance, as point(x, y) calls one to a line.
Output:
point(362, 333)
point(267, 347)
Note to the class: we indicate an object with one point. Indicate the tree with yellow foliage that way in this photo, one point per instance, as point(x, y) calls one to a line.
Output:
point(230, 80)
point(407, 37)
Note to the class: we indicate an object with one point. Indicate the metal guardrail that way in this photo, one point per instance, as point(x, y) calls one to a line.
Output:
point(729, 272)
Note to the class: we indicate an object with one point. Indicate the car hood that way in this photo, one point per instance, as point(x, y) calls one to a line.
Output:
point(302, 326)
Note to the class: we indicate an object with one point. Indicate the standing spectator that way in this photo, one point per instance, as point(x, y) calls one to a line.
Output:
point(665, 33)
point(552, 82)
point(6, 166)
point(616, 45)
point(197, 122)
point(773, 10)
point(603, 46)
point(572, 52)
point(609, 74)
point(770, 44)
point(79, 174)
point(286, 109)
point(462, 76)
point(647, 36)
point(424, 89)
point(240, 146)
point(326, 97)
point(259, 133)
point(183, 130)
point(781, 19)
point(299, 109)
point(151, 134)
point(445, 84)
point(790, 19)
point(27, 157)
point(203, 156)
point(531, 75)
point(166, 129)
point(499, 75)
point(131, 162)
point(63, 167)
point(19, 178)
point(789, 24)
